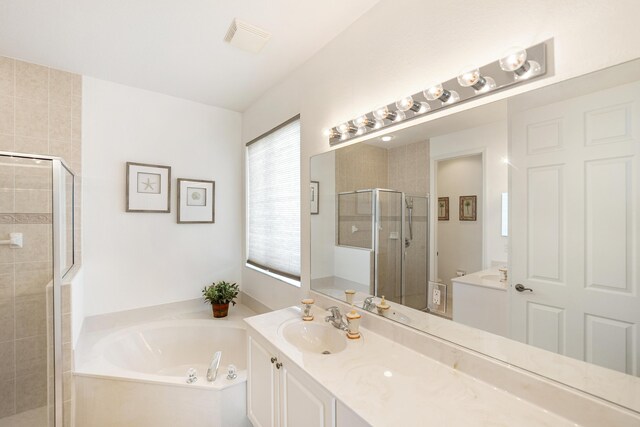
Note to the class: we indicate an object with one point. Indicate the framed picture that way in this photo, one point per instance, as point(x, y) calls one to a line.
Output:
point(315, 197)
point(443, 209)
point(468, 206)
point(148, 188)
point(196, 201)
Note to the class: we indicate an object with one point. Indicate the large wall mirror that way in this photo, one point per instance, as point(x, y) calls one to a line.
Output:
point(519, 219)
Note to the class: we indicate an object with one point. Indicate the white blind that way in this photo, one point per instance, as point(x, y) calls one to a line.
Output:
point(273, 169)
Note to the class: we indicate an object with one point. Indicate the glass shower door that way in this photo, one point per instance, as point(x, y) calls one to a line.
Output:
point(26, 292)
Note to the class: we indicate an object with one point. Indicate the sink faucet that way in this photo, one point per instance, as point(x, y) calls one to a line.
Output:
point(336, 318)
point(212, 372)
point(369, 304)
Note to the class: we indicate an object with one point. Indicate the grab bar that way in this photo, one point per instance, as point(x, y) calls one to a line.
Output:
point(212, 372)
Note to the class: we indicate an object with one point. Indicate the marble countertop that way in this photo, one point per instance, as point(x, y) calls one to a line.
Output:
point(388, 384)
point(489, 278)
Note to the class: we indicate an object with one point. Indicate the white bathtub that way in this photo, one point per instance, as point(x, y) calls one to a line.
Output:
point(137, 376)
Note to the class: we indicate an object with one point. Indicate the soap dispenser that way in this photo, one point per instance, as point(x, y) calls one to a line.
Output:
point(383, 307)
point(307, 316)
point(353, 324)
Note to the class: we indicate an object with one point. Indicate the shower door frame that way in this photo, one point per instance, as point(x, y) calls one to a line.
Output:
point(427, 197)
point(58, 165)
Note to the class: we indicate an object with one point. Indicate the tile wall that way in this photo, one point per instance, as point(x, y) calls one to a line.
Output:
point(40, 113)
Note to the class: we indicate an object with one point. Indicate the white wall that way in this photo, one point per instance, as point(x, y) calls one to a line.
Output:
point(459, 243)
point(324, 223)
point(133, 260)
point(373, 63)
point(491, 140)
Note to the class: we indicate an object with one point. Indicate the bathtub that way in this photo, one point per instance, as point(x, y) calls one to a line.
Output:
point(136, 376)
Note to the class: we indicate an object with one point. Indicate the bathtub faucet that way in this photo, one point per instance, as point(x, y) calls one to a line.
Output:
point(212, 372)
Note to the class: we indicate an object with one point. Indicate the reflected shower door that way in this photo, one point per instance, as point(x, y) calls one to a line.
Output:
point(416, 251)
point(389, 245)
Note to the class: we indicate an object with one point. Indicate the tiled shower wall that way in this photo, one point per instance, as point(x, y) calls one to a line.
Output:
point(40, 113)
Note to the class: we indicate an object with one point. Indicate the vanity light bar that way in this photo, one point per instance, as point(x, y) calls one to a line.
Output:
point(517, 66)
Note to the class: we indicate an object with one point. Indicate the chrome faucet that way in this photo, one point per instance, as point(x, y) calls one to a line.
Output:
point(212, 372)
point(368, 304)
point(336, 318)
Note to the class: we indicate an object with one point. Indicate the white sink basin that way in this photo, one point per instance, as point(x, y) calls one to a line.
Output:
point(314, 337)
point(493, 277)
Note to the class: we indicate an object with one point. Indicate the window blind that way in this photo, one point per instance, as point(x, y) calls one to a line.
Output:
point(273, 181)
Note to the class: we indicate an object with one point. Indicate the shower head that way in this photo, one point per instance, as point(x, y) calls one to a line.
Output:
point(409, 202)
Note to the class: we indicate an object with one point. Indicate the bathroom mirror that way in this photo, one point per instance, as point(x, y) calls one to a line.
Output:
point(518, 218)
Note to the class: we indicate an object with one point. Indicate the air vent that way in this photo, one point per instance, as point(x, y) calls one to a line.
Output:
point(246, 36)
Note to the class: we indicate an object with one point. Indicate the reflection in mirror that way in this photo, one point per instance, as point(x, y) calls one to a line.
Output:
point(424, 218)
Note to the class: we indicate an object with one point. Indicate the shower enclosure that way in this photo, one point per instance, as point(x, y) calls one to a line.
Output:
point(36, 252)
point(394, 227)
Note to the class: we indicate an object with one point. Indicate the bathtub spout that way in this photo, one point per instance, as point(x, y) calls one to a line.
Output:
point(212, 372)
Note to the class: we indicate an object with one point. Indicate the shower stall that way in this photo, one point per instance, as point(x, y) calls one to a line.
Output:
point(36, 253)
point(394, 227)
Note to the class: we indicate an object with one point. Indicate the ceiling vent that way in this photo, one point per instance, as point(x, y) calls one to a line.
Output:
point(246, 36)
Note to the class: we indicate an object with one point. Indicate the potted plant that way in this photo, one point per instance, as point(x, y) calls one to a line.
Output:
point(219, 295)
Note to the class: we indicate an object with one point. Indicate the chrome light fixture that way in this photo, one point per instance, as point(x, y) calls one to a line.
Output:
point(515, 67)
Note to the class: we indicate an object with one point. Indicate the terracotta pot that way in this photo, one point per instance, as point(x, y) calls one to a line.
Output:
point(220, 310)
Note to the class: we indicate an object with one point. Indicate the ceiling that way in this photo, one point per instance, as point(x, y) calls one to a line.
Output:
point(174, 46)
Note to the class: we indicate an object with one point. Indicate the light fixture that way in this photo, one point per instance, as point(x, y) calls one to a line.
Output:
point(383, 112)
point(470, 77)
point(515, 60)
point(436, 91)
point(407, 103)
point(386, 138)
point(513, 68)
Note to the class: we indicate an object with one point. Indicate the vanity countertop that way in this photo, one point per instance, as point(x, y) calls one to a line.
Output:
point(489, 278)
point(388, 384)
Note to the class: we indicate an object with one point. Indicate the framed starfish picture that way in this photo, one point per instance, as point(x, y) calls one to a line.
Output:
point(148, 188)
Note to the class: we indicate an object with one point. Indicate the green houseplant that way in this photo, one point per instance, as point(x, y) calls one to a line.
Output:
point(219, 295)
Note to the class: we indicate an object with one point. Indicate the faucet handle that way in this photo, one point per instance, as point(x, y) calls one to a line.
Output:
point(335, 311)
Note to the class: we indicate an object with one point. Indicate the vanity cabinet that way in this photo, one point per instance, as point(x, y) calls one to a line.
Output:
point(279, 394)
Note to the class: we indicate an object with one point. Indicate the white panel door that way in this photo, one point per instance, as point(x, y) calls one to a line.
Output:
point(302, 401)
point(262, 385)
point(575, 227)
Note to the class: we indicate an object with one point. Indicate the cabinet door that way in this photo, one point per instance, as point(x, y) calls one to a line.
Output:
point(262, 384)
point(345, 417)
point(302, 401)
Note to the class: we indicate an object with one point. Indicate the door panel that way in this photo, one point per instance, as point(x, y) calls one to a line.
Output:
point(575, 227)
point(261, 385)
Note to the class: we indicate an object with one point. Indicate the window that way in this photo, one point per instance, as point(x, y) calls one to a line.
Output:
point(273, 202)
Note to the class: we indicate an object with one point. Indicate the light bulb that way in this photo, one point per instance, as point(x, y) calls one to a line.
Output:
point(344, 136)
point(327, 132)
point(469, 76)
point(400, 116)
point(453, 97)
point(383, 112)
point(343, 128)
point(361, 131)
point(378, 124)
point(513, 59)
point(405, 104)
point(424, 107)
point(331, 133)
point(532, 69)
point(434, 92)
point(360, 121)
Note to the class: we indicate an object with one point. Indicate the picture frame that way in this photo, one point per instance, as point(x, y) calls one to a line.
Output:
point(443, 209)
point(315, 197)
point(148, 188)
point(196, 201)
point(468, 208)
